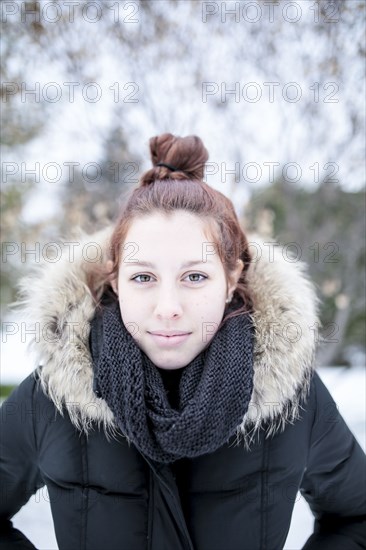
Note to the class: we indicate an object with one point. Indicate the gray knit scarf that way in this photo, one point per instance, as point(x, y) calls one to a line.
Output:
point(214, 389)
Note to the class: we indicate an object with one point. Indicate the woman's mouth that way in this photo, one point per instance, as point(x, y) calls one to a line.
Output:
point(168, 340)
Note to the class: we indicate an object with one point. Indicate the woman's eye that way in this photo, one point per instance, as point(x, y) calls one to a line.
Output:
point(196, 280)
point(144, 280)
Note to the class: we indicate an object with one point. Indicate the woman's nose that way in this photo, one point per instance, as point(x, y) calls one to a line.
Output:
point(168, 304)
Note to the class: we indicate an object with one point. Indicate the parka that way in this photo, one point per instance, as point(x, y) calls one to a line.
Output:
point(105, 494)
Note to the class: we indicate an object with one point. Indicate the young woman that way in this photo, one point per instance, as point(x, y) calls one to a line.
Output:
point(175, 405)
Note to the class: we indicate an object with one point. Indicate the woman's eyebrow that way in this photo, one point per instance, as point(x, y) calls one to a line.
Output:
point(127, 263)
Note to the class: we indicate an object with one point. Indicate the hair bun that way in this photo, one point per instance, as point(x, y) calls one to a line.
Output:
point(176, 157)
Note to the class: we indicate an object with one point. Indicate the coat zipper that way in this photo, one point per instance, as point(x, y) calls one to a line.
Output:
point(150, 511)
point(178, 510)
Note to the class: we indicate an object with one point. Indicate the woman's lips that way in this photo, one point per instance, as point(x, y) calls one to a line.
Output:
point(169, 341)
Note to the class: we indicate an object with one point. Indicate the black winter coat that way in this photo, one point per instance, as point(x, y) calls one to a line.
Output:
point(105, 494)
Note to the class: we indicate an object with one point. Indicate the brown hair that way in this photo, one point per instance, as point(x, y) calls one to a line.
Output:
point(181, 187)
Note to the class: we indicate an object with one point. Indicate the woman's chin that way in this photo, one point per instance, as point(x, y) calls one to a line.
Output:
point(169, 361)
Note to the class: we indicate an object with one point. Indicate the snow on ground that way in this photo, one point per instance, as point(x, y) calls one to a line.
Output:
point(347, 386)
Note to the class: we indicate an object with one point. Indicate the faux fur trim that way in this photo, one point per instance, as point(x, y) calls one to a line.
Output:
point(285, 318)
point(58, 299)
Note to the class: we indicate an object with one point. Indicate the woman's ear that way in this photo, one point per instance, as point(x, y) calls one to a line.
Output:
point(112, 278)
point(234, 277)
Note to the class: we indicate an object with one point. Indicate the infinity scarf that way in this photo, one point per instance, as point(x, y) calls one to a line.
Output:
point(214, 389)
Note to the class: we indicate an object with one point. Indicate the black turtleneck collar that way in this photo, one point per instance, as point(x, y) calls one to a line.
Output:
point(171, 379)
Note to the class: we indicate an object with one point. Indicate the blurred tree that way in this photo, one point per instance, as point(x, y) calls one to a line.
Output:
point(92, 197)
point(19, 128)
point(326, 229)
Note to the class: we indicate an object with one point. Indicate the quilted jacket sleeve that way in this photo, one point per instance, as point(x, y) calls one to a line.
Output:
point(334, 483)
point(19, 474)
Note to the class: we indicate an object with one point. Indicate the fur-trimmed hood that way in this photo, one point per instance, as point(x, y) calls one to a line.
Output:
point(58, 298)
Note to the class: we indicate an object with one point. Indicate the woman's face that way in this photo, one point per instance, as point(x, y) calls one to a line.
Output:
point(172, 287)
